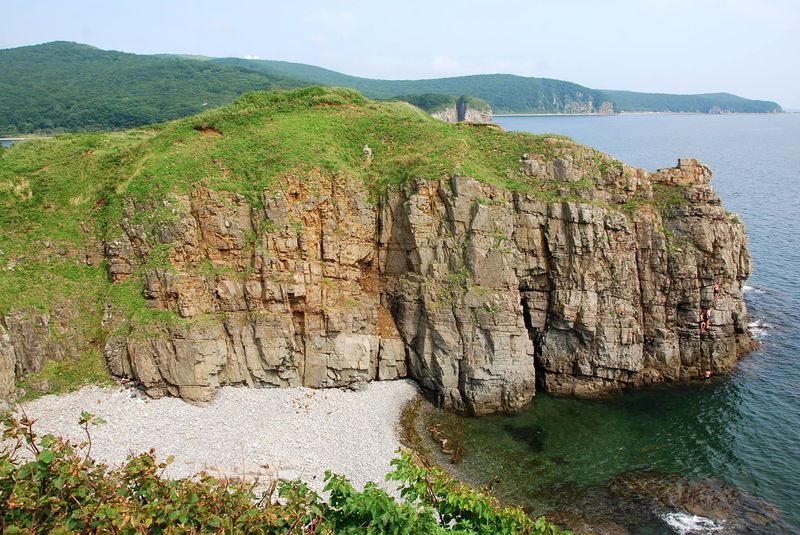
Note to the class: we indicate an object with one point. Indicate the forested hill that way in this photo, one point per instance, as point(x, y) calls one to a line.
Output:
point(504, 92)
point(704, 103)
point(507, 93)
point(64, 86)
point(68, 86)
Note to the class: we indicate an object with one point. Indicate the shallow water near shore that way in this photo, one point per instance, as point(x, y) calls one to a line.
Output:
point(719, 456)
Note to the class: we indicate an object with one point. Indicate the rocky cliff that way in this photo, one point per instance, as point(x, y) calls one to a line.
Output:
point(465, 109)
point(587, 277)
point(476, 292)
point(471, 115)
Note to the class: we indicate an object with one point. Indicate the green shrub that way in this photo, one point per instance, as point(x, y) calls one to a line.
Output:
point(48, 485)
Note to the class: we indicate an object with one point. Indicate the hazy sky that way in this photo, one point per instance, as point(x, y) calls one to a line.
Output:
point(746, 47)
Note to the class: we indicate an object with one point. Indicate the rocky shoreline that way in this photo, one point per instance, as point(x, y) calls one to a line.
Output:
point(244, 433)
point(639, 500)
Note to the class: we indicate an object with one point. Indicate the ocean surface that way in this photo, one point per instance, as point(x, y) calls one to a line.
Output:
point(715, 457)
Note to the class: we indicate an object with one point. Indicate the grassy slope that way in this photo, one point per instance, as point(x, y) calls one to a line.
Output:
point(269, 135)
point(429, 102)
point(67, 86)
point(50, 215)
point(62, 196)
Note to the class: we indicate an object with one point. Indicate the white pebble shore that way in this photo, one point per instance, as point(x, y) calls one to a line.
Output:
point(300, 431)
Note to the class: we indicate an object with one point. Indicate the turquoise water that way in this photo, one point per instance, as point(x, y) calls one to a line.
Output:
point(732, 444)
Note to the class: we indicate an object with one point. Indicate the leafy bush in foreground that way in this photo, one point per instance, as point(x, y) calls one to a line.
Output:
point(48, 485)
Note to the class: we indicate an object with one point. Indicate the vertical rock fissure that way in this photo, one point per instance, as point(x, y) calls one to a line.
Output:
point(463, 363)
point(538, 365)
point(299, 320)
point(706, 349)
point(639, 272)
point(321, 236)
point(535, 336)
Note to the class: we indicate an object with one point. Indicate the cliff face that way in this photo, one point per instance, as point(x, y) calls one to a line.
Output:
point(476, 292)
point(260, 245)
point(29, 339)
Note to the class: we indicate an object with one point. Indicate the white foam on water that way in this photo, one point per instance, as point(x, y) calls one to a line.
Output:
point(686, 524)
point(759, 328)
point(747, 289)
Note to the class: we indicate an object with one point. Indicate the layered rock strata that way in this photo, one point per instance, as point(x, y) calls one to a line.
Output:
point(477, 292)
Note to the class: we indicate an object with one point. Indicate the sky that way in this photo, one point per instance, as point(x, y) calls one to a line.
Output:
point(746, 47)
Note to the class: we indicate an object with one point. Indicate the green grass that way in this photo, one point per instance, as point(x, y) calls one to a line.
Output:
point(67, 375)
point(667, 197)
point(268, 136)
point(51, 203)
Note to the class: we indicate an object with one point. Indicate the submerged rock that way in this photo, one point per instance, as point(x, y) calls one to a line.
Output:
point(658, 503)
point(699, 505)
point(532, 436)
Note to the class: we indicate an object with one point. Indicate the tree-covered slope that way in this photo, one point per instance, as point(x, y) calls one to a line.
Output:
point(629, 101)
point(508, 93)
point(434, 102)
point(63, 86)
point(504, 92)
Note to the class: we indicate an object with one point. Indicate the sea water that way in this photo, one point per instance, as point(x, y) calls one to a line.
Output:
point(720, 456)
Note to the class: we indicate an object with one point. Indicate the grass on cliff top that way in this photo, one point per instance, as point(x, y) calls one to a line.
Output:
point(249, 146)
point(52, 198)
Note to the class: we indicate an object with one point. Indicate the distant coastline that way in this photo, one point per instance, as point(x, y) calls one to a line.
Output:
point(638, 113)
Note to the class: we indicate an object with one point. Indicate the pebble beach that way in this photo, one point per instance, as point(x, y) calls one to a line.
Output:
point(286, 433)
